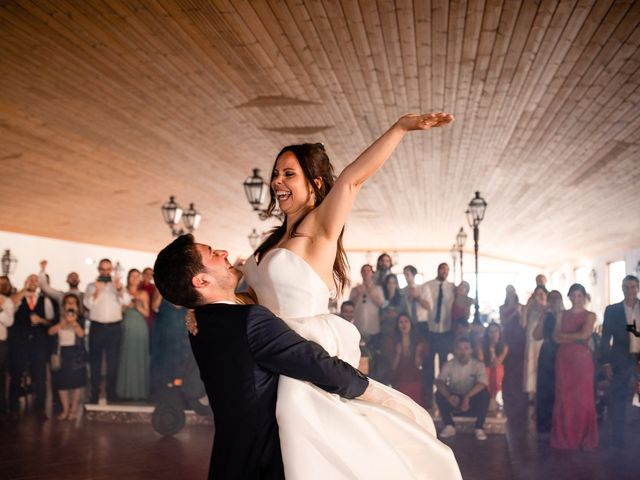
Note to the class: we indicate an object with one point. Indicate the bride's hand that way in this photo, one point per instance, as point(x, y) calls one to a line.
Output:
point(425, 121)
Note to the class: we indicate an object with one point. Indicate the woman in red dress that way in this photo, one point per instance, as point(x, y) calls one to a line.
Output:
point(410, 350)
point(574, 424)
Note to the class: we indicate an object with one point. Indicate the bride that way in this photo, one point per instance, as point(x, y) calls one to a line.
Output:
point(293, 273)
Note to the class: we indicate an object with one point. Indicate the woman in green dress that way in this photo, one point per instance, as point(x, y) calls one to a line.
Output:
point(133, 369)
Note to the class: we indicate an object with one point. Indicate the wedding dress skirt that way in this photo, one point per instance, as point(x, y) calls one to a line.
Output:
point(322, 435)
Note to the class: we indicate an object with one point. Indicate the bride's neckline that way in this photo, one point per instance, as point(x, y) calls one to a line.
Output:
point(331, 291)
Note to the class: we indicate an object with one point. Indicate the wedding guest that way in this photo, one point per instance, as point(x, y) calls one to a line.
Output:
point(439, 321)
point(73, 281)
point(347, 310)
point(133, 367)
point(493, 353)
point(28, 349)
point(418, 300)
point(462, 390)
point(71, 377)
point(515, 338)
point(104, 299)
point(541, 281)
point(368, 298)
point(461, 307)
point(545, 389)
point(392, 306)
point(533, 314)
point(620, 349)
point(574, 424)
point(6, 320)
point(148, 286)
point(410, 349)
point(383, 268)
point(170, 344)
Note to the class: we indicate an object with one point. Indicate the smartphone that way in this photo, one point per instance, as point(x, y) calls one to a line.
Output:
point(104, 278)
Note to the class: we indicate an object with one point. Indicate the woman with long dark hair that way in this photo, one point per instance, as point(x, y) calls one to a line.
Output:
point(293, 273)
point(410, 349)
point(574, 424)
point(494, 351)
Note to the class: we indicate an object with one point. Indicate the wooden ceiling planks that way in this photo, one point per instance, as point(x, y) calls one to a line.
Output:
point(129, 101)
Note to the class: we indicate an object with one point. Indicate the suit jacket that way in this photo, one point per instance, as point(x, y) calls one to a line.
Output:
point(615, 328)
point(241, 350)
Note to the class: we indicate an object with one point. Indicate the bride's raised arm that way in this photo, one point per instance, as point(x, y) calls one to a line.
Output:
point(331, 214)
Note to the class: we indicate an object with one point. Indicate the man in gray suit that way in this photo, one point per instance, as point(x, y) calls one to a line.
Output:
point(620, 348)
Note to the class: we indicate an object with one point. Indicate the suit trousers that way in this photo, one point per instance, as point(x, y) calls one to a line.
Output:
point(104, 338)
point(31, 358)
point(621, 393)
point(4, 349)
point(478, 407)
point(442, 344)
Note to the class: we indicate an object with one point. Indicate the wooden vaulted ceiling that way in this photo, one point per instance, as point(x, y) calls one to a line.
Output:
point(108, 107)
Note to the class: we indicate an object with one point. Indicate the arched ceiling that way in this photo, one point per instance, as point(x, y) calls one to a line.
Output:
point(108, 107)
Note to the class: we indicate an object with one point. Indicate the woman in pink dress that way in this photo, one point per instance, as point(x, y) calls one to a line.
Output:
point(574, 424)
point(410, 349)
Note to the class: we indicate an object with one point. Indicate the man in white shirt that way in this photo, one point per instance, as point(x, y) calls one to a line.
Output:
point(620, 348)
point(440, 336)
point(105, 299)
point(462, 390)
point(6, 320)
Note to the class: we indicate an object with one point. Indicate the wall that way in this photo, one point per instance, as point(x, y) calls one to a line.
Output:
point(64, 256)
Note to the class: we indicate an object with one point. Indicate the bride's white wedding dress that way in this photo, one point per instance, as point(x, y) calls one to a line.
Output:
point(322, 435)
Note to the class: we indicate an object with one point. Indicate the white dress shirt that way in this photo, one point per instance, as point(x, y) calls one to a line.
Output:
point(422, 314)
point(107, 307)
point(448, 296)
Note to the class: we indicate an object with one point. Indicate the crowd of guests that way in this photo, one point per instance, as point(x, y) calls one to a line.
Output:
point(119, 327)
point(537, 354)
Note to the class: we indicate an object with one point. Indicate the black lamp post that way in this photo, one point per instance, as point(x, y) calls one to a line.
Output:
point(461, 239)
point(173, 213)
point(255, 189)
point(9, 263)
point(475, 215)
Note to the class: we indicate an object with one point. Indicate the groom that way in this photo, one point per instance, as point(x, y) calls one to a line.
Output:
point(241, 350)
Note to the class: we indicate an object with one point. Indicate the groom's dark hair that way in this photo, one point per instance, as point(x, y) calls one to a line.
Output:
point(176, 265)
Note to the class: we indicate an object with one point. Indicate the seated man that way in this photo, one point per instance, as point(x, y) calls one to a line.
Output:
point(462, 390)
point(241, 350)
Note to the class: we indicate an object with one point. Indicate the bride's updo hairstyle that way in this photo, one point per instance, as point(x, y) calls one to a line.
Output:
point(315, 163)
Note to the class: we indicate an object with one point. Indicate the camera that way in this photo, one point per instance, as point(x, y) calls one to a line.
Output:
point(104, 278)
point(632, 329)
point(71, 311)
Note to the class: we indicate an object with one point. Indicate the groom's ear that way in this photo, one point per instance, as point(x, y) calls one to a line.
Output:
point(200, 281)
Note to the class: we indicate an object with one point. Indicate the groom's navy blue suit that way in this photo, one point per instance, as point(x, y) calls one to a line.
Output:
point(241, 350)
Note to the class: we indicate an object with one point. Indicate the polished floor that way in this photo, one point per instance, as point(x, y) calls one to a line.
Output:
point(34, 449)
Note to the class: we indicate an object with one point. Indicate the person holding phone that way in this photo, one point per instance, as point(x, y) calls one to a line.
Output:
point(72, 375)
point(105, 298)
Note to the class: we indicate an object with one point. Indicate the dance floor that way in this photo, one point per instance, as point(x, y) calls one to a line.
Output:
point(32, 449)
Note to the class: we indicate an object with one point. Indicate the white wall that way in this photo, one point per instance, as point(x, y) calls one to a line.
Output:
point(64, 257)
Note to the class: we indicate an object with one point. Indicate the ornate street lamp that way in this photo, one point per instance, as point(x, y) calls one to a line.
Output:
point(475, 215)
point(173, 213)
point(255, 189)
point(461, 239)
point(9, 263)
